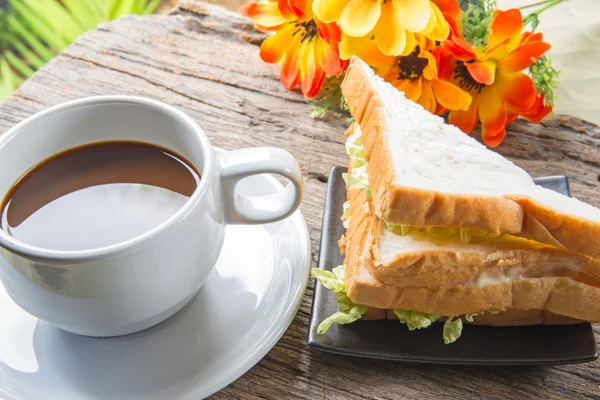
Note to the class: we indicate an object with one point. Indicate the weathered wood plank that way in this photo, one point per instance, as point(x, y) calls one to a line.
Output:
point(204, 60)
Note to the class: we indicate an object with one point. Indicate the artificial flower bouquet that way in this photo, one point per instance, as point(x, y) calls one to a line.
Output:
point(470, 61)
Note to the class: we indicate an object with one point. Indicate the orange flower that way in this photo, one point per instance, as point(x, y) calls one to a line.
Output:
point(306, 48)
point(493, 77)
point(417, 76)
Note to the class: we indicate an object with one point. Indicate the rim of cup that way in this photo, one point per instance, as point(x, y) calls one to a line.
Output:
point(77, 256)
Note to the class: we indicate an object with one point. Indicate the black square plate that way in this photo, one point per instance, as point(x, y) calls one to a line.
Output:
point(478, 345)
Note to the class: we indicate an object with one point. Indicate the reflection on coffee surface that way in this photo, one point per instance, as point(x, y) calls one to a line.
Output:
point(97, 195)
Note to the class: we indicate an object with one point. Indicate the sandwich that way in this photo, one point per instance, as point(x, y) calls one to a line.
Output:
point(440, 228)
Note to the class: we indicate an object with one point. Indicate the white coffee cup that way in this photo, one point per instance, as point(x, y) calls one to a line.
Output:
point(135, 284)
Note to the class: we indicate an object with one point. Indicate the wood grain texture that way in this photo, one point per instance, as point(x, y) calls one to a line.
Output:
point(204, 60)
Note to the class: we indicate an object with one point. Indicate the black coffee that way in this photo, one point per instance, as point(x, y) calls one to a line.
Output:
point(97, 195)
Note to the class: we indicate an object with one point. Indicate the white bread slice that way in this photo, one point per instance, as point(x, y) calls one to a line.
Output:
point(423, 172)
point(418, 259)
point(560, 295)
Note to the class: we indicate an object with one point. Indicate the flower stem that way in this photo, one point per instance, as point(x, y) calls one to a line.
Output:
point(539, 3)
point(533, 18)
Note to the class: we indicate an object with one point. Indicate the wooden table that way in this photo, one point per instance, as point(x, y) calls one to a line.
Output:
point(204, 60)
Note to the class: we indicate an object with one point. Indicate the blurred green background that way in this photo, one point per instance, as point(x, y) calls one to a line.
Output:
point(34, 31)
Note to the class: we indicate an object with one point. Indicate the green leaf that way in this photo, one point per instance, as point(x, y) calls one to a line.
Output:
point(400, 230)
point(18, 64)
point(452, 329)
point(346, 214)
point(40, 26)
point(7, 79)
point(85, 12)
point(349, 312)
point(151, 7)
point(344, 301)
point(342, 318)
point(329, 279)
point(330, 100)
point(358, 178)
point(57, 17)
point(475, 21)
point(19, 29)
point(469, 317)
point(31, 57)
point(464, 4)
point(545, 78)
point(415, 320)
point(123, 7)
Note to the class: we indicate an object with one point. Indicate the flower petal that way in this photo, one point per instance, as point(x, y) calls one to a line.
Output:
point(465, 120)
point(311, 74)
point(510, 118)
point(371, 54)
point(492, 140)
point(359, 17)
point(328, 10)
point(492, 111)
point(275, 46)
point(450, 96)
point(538, 110)
point(482, 72)
point(517, 89)
point(286, 9)
point(390, 36)
point(430, 23)
point(430, 70)
point(301, 8)
point(427, 99)
point(330, 32)
point(441, 29)
point(529, 37)
point(413, 14)
point(445, 63)
point(329, 58)
point(459, 48)
point(523, 56)
point(498, 52)
point(350, 46)
point(504, 25)
point(290, 67)
point(449, 7)
point(265, 15)
point(412, 89)
point(411, 42)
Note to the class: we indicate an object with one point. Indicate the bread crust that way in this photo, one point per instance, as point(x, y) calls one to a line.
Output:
point(513, 214)
point(450, 262)
point(563, 296)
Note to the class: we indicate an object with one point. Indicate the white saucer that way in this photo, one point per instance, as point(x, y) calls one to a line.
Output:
point(242, 310)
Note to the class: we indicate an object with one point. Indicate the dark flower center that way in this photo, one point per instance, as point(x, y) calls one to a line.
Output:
point(464, 78)
point(411, 66)
point(307, 30)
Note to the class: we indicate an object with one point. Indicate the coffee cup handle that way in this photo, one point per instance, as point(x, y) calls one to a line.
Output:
point(239, 164)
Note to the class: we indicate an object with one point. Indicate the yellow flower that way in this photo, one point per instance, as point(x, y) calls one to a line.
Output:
point(388, 24)
point(417, 75)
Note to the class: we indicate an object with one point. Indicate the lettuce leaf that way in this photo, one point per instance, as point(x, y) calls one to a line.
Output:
point(346, 215)
point(330, 279)
point(341, 318)
point(358, 179)
point(452, 329)
point(469, 317)
point(415, 320)
point(334, 281)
